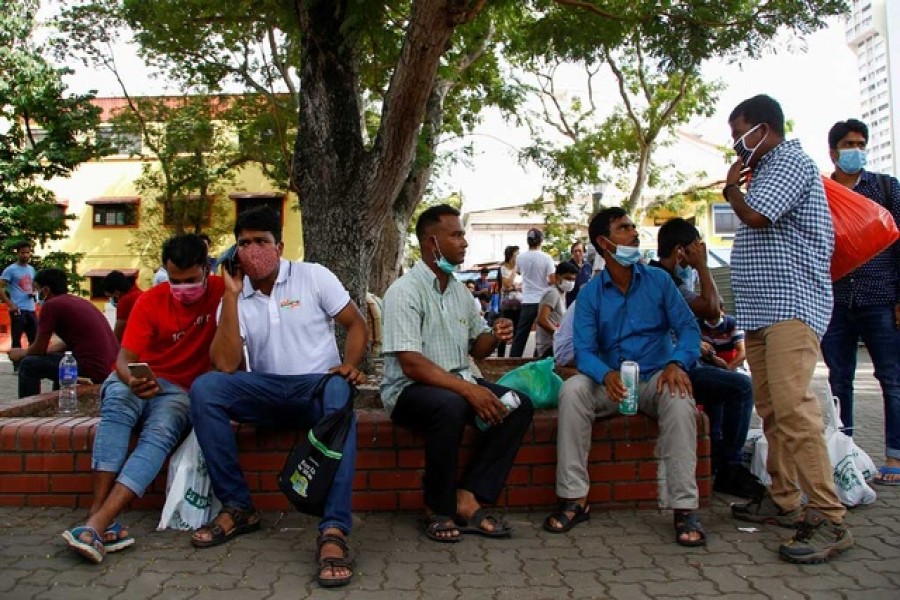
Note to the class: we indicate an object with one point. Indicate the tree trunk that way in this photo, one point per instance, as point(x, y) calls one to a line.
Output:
point(643, 172)
point(347, 193)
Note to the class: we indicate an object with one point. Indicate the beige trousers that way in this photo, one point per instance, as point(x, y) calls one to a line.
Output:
point(782, 359)
point(581, 400)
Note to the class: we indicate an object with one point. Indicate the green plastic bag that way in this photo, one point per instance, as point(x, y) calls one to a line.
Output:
point(537, 380)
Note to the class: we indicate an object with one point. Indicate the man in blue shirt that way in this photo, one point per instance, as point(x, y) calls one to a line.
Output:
point(780, 276)
point(629, 312)
point(867, 300)
point(17, 292)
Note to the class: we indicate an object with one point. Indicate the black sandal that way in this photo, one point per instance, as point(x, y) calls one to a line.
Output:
point(436, 524)
point(500, 529)
point(245, 521)
point(689, 523)
point(580, 514)
point(342, 562)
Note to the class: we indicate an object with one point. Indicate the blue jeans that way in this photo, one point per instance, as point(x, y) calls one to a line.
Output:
point(36, 367)
point(875, 325)
point(165, 419)
point(276, 401)
point(727, 399)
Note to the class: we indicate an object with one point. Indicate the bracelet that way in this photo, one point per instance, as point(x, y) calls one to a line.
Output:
point(725, 190)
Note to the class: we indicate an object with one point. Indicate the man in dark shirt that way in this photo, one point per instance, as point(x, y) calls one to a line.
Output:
point(867, 300)
point(585, 270)
point(81, 327)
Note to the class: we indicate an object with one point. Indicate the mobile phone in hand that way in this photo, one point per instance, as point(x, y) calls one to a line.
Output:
point(230, 260)
point(141, 370)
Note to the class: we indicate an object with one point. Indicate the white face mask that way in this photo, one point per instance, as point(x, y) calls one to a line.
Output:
point(566, 286)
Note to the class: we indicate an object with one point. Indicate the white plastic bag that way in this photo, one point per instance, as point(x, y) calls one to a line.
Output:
point(758, 464)
point(852, 466)
point(190, 502)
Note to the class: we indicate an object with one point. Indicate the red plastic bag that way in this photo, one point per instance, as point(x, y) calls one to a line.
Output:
point(862, 228)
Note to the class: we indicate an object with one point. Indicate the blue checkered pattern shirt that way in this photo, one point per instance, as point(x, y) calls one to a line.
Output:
point(876, 283)
point(781, 272)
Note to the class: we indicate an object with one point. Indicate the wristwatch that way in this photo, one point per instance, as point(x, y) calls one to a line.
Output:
point(725, 190)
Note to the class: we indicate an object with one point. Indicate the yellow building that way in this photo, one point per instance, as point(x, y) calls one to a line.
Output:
point(108, 209)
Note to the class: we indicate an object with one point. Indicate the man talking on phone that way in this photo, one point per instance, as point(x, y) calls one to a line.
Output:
point(284, 314)
point(170, 329)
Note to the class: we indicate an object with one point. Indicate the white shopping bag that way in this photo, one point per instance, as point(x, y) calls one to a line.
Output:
point(852, 466)
point(758, 463)
point(190, 502)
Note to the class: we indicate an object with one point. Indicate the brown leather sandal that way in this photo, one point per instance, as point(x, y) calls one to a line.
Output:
point(332, 563)
point(244, 521)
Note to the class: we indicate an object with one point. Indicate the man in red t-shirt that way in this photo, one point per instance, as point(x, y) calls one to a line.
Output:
point(170, 328)
point(123, 292)
point(81, 327)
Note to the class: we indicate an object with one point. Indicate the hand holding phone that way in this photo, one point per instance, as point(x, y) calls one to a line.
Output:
point(230, 260)
point(143, 382)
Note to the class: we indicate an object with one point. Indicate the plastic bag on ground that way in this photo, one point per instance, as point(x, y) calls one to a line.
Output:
point(190, 502)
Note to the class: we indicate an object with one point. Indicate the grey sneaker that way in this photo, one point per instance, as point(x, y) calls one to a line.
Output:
point(765, 510)
point(817, 539)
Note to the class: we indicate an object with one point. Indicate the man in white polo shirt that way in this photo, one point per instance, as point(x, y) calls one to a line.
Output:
point(536, 267)
point(284, 313)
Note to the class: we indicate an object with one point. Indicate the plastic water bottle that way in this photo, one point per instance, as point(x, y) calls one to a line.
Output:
point(630, 373)
point(510, 400)
point(68, 385)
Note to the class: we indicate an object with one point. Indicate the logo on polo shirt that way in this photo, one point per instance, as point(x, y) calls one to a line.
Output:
point(289, 304)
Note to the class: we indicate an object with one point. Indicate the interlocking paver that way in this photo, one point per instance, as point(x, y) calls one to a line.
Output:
point(617, 554)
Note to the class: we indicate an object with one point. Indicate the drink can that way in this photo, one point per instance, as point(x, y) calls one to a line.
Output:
point(630, 372)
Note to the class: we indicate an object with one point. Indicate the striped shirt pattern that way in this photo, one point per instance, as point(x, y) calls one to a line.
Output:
point(419, 318)
point(782, 271)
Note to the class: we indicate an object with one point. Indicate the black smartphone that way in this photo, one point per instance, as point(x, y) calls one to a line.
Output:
point(230, 260)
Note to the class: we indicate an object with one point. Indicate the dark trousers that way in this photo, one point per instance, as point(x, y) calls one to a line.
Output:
point(727, 399)
point(442, 416)
point(523, 329)
point(24, 322)
point(512, 315)
point(36, 367)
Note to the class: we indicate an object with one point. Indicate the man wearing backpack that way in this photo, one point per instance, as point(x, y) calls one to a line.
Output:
point(867, 300)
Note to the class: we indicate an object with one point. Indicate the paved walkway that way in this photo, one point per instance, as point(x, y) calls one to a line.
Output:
point(622, 554)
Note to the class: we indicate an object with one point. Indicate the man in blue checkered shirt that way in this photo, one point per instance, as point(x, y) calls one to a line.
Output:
point(780, 276)
point(867, 300)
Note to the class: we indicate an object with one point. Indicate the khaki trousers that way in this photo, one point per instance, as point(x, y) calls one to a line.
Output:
point(581, 400)
point(782, 360)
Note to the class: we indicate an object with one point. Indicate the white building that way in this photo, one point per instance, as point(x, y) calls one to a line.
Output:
point(873, 32)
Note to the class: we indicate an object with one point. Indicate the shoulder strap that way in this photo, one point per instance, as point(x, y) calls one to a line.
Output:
point(884, 182)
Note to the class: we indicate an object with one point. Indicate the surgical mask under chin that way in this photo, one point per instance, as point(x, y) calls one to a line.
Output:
point(851, 160)
point(566, 286)
point(442, 263)
point(627, 255)
point(745, 153)
point(188, 293)
point(258, 261)
point(684, 273)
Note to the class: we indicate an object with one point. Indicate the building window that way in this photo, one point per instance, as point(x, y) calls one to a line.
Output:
point(115, 212)
point(121, 143)
point(95, 279)
point(244, 202)
point(192, 212)
point(725, 222)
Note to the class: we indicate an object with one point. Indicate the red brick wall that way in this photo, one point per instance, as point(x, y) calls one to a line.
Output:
point(47, 462)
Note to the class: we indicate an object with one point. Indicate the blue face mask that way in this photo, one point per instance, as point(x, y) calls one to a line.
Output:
point(627, 255)
point(683, 273)
point(851, 160)
point(442, 263)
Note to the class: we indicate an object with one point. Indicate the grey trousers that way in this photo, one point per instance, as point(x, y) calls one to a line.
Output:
point(581, 400)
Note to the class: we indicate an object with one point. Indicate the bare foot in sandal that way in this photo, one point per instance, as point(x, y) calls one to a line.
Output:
point(334, 559)
point(440, 528)
point(568, 514)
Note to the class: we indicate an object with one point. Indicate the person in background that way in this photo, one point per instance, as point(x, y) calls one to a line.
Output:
point(563, 343)
point(483, 283)
point(867, 300)
point(77, 323)
point(123, 292)
point(170, 328)
point(536, 267)
point(510, 296)
point(17, 292)
point(213, 261)
point(584, 269)
point(552, 307)
point(723, 340)
point(484, 302)
point(782, 286)
point(161, 276)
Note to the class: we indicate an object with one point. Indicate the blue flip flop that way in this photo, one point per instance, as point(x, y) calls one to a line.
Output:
point(94, 550)
point(120, 543)
point(885, 470)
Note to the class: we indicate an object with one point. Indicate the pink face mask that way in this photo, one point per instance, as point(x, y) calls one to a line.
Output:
point(188, 293)
point(258, 261)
